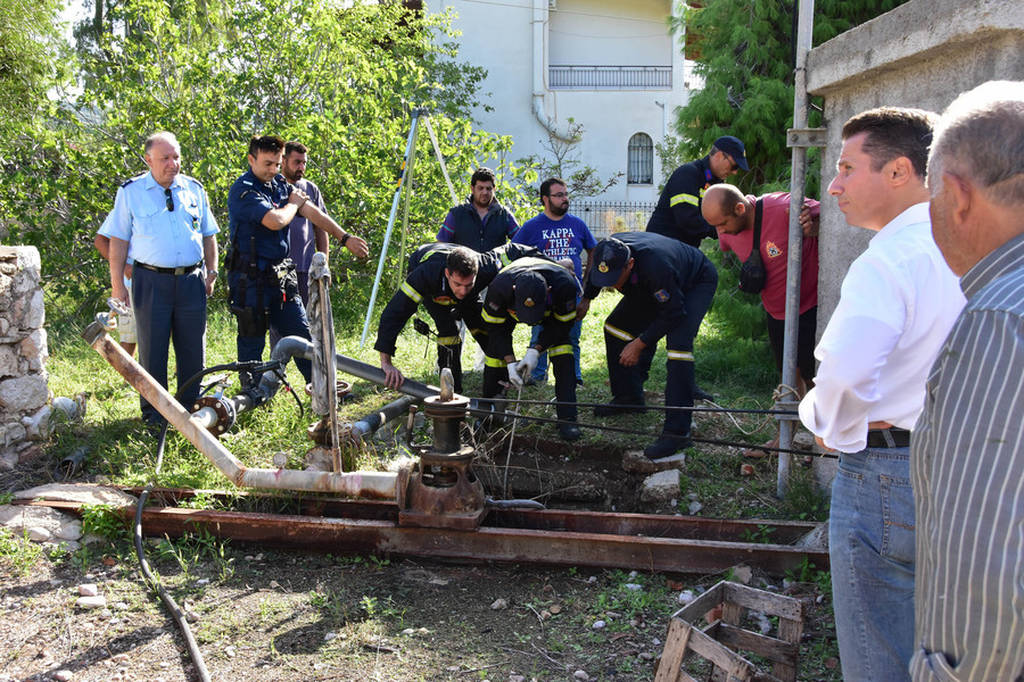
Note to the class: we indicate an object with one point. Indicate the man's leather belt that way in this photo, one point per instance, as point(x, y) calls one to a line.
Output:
point(182, 270)
point(888, 438)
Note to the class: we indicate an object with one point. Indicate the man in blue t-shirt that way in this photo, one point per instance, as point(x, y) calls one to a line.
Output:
point(559, 235)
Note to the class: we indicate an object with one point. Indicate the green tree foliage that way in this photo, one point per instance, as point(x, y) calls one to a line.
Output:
point(745, 58)
point(340, 77)
point(28, 40)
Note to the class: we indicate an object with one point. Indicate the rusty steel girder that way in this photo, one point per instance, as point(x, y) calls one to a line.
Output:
point(646, 542)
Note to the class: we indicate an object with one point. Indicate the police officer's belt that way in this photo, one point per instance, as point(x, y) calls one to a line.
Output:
point(181, 270)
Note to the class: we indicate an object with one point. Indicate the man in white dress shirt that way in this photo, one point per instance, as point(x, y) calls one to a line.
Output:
point(898, 302)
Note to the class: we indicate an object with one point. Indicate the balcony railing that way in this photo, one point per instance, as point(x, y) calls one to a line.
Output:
point(566, 77)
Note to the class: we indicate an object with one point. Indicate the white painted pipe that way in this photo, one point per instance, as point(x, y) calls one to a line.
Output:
point(355, 484)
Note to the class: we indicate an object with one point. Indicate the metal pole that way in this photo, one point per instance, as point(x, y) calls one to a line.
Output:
point(409, 150)
point(793, 267)
point(408, 187)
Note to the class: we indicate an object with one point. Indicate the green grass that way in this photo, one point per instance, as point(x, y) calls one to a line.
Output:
point(732, 355)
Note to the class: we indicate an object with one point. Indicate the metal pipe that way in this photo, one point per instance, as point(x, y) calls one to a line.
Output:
point(373, 421)
point(410, 150)
point(796, 235)
point(357, 484)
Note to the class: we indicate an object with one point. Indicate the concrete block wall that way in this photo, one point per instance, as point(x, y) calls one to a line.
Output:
point(921, 54)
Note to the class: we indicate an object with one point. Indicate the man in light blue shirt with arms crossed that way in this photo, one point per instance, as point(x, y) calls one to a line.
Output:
point(163, 222)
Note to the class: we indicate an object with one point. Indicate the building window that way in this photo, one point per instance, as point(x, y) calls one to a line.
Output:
point(641, 160)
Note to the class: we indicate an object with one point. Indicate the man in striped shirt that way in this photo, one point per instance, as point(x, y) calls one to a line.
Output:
point(968, 449)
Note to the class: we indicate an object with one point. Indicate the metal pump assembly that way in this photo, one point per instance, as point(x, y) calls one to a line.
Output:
point(439, 490)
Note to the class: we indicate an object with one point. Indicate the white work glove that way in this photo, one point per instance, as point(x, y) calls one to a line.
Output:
point(529, 362)
point(518, 371)
point(514, 377)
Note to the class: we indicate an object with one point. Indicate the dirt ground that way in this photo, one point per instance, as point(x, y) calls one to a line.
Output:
point(261, 614)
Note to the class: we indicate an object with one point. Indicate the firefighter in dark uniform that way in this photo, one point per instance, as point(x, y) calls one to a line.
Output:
point(262, 284)
point(533, 291)
point(677, 214)
point(448, 280)
point(666, 287)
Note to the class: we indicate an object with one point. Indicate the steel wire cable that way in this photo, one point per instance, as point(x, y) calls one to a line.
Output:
point(636, 432)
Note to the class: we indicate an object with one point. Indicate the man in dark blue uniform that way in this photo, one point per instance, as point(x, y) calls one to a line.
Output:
point(449, 281)
point(481, 223)
point(666, 287)
point(533, 291)
point(263, 286)
point(677, 214)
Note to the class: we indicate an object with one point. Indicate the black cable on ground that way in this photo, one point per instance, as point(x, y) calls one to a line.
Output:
point(152, 578)
point(644, 408)
point(635, 432)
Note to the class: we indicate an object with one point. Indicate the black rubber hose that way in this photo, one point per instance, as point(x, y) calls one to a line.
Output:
point(153, 580)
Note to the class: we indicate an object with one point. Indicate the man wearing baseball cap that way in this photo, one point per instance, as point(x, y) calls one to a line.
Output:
point(678, 212)
point(678, 215)
point(666, 288)
point(534, 291)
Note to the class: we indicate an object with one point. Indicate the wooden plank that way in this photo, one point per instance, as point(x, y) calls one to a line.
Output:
point(774, 650)
point(732, 613)
point(675, 648)
point(790, 631)
point(719, 655)
point(766, 602)
point(701, 605)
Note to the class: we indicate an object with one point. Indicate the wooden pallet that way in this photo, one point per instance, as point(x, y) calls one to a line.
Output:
point(718, 642)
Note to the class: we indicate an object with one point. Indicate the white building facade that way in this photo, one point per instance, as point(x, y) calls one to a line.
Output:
point(611, 65)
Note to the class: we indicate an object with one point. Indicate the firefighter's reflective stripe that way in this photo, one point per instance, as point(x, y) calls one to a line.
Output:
point(686, 355)
point(449, 340)
point(565, 317)
point(617, 333)
point(555, 351)
point(407, 289)
point(685, 198)
point(487, 317)
point(494, 362)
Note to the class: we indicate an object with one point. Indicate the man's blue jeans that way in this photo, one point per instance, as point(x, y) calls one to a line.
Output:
point(540, 372)
point(871, 549)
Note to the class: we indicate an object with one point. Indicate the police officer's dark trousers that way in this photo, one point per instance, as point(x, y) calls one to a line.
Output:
point(628, 320)
point(283, 312)
point(170, 308)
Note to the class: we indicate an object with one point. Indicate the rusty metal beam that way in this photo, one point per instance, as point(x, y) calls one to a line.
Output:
point(672, 544)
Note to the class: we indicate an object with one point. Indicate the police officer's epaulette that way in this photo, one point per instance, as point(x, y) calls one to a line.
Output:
point(189, 177)
point(127, 182)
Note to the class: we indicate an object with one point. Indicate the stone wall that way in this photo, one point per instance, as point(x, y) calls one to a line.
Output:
point(23, 388)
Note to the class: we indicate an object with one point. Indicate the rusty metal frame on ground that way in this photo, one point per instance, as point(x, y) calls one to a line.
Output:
point(648, 542)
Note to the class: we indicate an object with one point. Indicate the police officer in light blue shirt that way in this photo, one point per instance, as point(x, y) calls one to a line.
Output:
point(163, 222)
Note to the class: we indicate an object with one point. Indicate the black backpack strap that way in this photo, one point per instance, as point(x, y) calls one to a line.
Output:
point(758, 213)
